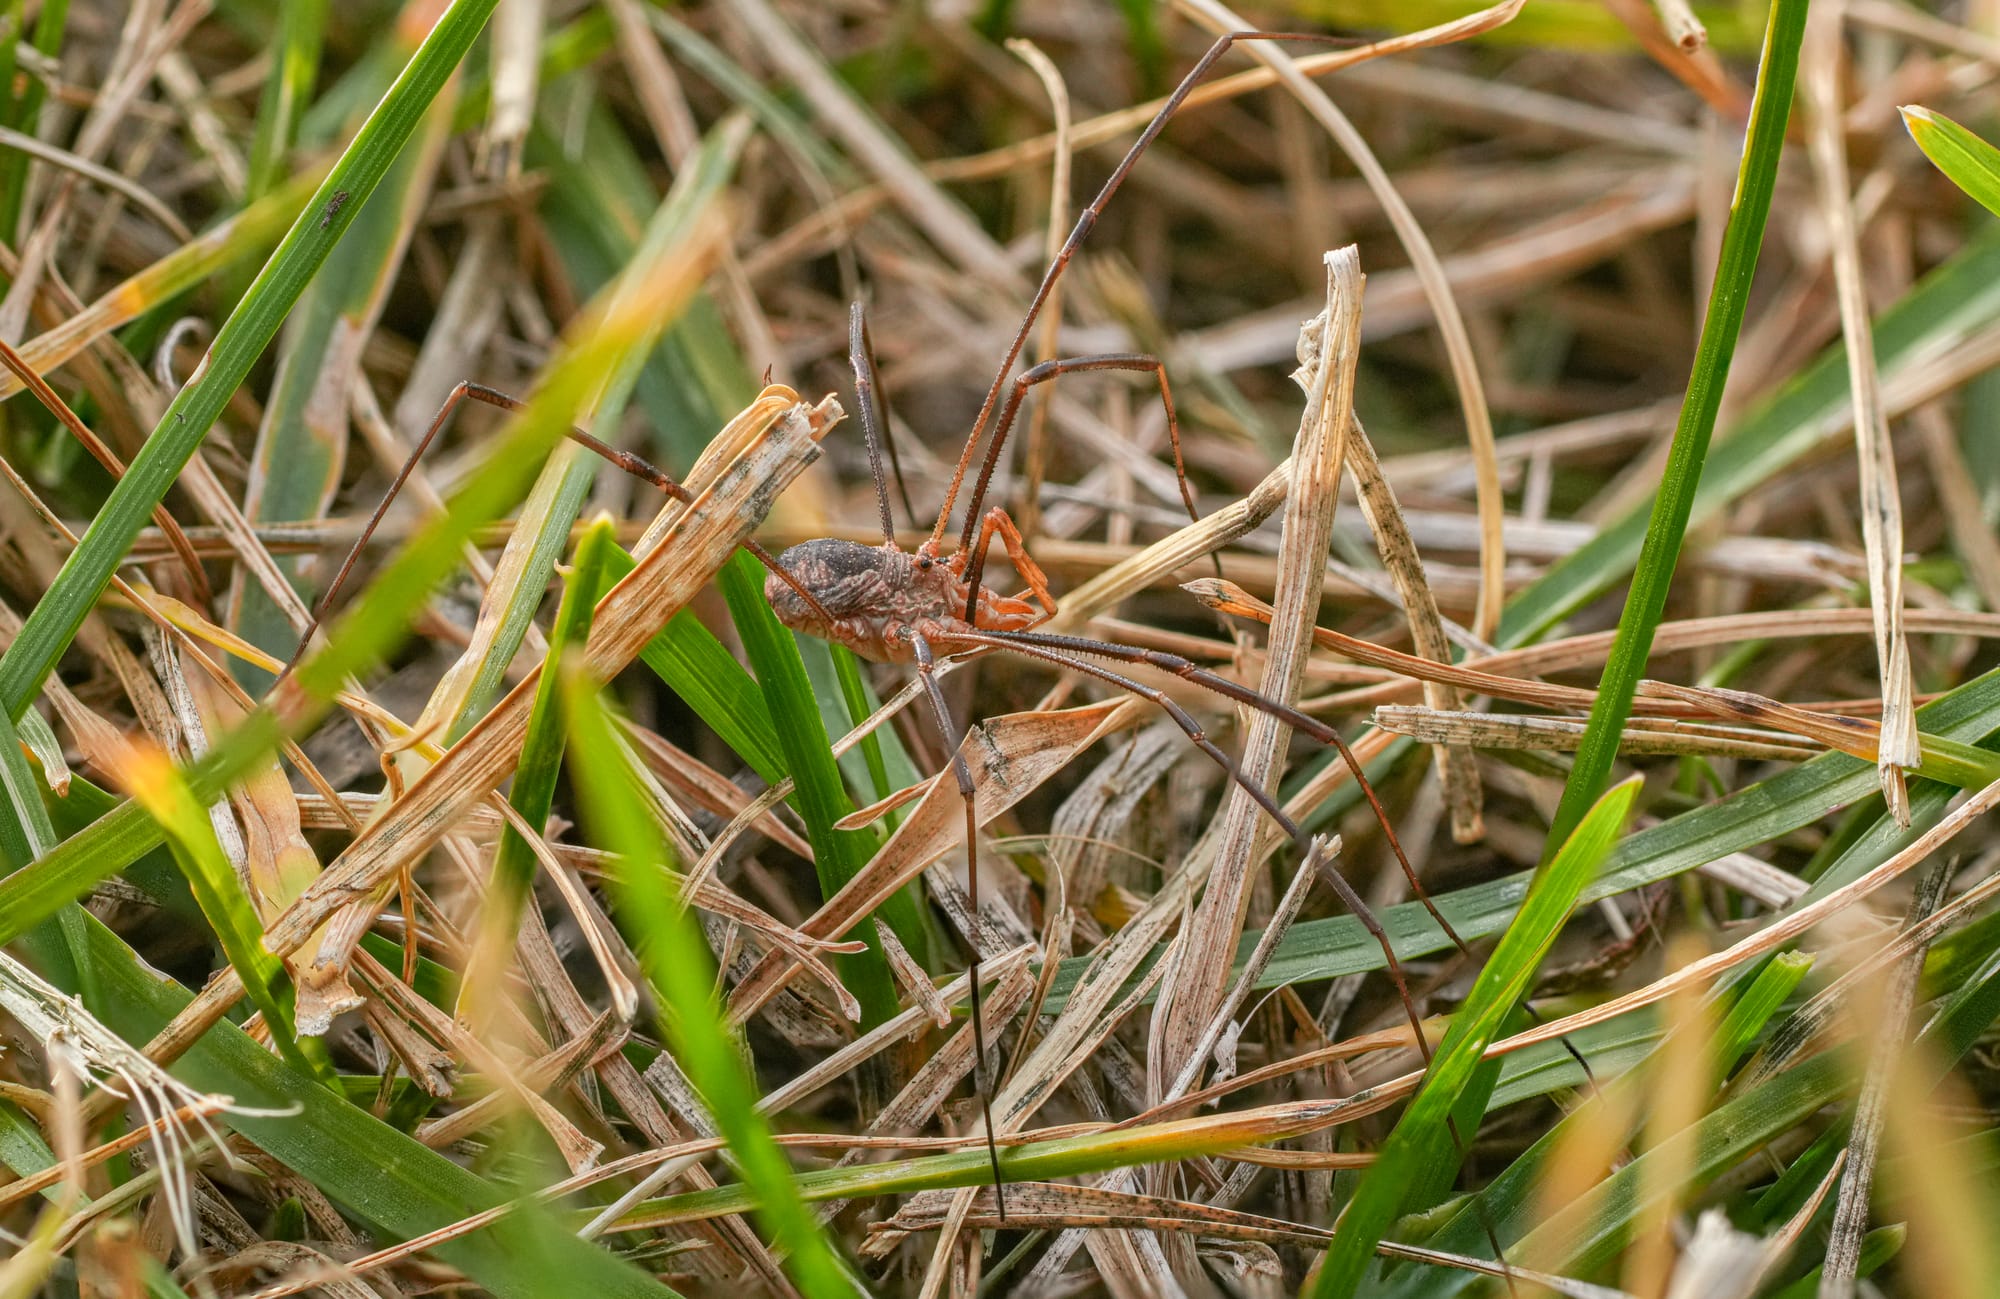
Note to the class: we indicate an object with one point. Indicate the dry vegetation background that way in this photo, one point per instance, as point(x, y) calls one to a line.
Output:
point(1754, 1061)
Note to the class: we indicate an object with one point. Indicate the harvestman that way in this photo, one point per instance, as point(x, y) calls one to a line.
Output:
point(891, 605)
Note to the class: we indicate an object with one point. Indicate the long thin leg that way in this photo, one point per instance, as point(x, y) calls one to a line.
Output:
point(998, 523)
point(1138, 362)
point(1221, 685)
point(875, 433)
point(1069, 652)
point(466, 390)
point(1026, 643)
point(1085, 222)
point(954, 740)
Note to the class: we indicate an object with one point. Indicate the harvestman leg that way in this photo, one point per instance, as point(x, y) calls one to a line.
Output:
point(1070, 646)
point(1136, 362)
point(874, 434)
point(1068, 657)
point(1070, 651)
point(1085, 222)
point(954, 739)
point(466, 390)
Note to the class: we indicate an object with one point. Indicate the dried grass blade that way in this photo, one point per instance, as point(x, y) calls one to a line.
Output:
point(1880, 504)
point(682, 971)
point(1891, 1023)
point(1458, 770)
point(1423, 1134)
point(1562, 735)
point(1010, 756)
point(703, 537)
point(1329, 351)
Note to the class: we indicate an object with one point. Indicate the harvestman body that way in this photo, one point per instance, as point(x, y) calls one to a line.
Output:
point(882, 599)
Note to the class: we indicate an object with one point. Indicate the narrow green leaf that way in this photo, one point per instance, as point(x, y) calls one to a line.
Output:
point(1507, 1201)
point(627, 318)
point(295, 63)
point(54, 620)
point(1770, 983)
point(522, 574)
point(1972, 164)
point(692, 663)
point(158, 786)
point(25, 830)
point(677, 963)
point(1646, 601)
point(819, 793)
point(301, 446)
point(533, 792)
point(1720, 1139)
point(1758, 814)
point(1422, 1138)
point(854, 694)
point(389, 1181)
point(20, 111)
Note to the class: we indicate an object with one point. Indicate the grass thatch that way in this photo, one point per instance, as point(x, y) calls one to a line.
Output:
point(537, 914)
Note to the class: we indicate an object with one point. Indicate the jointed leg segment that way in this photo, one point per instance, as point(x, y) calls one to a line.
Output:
point(1071, 646)
point(1068, 652)
point(1138, 362)
point(954, 739)
point(874, 421)
point(466, 390)
point(1086, 221)
point(1001, 524)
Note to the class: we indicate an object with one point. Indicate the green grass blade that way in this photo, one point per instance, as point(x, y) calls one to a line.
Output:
point(1590, 1230)
point(54, 621)
point(20, 111)
point(1954, 301)
point(301, 446)
point(522, 574)
point(158, 786)
point(1972, 164)
point(1756, 179)
point(533, 792)
point(658, 284)
point(819, 793)
point(854, 696)
point(695, 666)
point(1503, 1200)
point(677, 963)
point(1576, 25)
point(700, 669)
point(295, 63)
point(1511, 1206)
point(1422, 1139)
point(25, 830)
point(244, 235)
